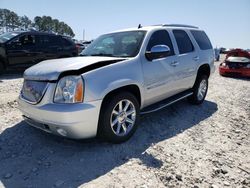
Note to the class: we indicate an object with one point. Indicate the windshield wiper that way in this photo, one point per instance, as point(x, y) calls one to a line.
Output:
point(102, 54)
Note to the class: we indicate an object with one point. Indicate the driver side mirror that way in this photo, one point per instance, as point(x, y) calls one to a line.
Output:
point(157, 52)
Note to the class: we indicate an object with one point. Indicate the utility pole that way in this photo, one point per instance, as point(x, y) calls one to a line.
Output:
point(83, 35)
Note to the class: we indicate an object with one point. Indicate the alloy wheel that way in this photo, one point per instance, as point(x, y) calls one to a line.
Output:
point(202, 90)
point(123, 117)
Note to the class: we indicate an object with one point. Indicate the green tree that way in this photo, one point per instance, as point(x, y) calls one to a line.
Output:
point(11, 21)
point(25, 22)
point(55, 27)
point(38, 23)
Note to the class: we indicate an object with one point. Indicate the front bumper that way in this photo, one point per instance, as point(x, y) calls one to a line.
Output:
point(75, 121)
point(225, 71)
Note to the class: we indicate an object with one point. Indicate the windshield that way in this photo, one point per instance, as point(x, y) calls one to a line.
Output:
point(7, 36)
point(122, 44)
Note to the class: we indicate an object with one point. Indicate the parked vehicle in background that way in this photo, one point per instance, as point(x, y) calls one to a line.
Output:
point(86, 43)
point(217, 54)
point(80, 47)
point(120, 76)
point(248, 50)
point(236, 63)
point(26, 48)
point(225, 50)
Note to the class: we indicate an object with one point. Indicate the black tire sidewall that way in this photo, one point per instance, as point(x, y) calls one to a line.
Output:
point(105, 131)
point(194, 98)
point(1, 67)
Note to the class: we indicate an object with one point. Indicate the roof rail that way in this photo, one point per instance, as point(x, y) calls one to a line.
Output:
point(179, 25)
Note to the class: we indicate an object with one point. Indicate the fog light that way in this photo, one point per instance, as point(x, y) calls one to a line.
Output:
point(62, 132)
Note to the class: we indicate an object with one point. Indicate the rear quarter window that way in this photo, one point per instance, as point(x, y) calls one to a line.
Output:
point(67, 42)
point(202, 40)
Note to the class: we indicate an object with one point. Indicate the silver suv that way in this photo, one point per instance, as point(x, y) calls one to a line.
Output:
point(118, 77)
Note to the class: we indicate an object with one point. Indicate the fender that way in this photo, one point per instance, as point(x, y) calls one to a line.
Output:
point(123, 83)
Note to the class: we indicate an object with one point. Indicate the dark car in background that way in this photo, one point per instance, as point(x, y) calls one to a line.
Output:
point(82, 45)
point(23, 49)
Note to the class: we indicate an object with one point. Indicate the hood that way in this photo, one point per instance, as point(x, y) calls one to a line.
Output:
point(52, 69)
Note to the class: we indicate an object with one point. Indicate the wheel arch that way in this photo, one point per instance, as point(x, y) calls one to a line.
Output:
point(204, 69)
point(132, 88)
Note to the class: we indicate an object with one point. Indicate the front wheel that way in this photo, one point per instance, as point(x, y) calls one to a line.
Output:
point(199, 90)
point(1, 68)
point(119, 117)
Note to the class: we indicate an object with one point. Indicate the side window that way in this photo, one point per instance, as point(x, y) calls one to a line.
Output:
point(183, 41)
point(27, 40)
point(66, 42)
point(44, 40)
point(202, 40)
point(22, 42)
point(160, 37)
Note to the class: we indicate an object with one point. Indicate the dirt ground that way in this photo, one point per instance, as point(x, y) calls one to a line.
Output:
point(180, 146)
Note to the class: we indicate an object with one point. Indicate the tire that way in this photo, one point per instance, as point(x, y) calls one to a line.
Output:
point(1, 68)
point(124, 121)
point(199, 90)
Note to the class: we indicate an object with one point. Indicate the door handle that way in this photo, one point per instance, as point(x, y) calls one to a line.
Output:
point(174, 63)
point(196, 58)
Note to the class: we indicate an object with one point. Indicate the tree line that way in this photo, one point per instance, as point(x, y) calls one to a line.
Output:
point(11, 21)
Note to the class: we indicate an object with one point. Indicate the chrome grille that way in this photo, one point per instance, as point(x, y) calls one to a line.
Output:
point(33, 91)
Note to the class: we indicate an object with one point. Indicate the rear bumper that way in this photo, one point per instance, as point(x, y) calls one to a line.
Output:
point(75, 121)
point(225, 71)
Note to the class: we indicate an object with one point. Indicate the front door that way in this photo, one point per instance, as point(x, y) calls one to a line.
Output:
point(22, 50)
point(50, 47)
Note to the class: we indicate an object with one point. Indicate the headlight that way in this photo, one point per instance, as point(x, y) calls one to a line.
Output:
point(224, 64)
point(69, 89)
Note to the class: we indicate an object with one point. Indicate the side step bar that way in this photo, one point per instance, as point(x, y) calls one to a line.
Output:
point(166, 102)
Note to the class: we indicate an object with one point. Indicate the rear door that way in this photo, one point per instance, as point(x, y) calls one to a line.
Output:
point(187, 60)
point(50, 46)
point(158, 74)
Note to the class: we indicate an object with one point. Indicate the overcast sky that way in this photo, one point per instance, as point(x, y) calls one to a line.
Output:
point(227, 22)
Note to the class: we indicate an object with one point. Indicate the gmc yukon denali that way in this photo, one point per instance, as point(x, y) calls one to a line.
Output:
point(118, 77)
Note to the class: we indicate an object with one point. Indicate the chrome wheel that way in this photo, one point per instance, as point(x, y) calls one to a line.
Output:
point(123, 117)
point(202, 90)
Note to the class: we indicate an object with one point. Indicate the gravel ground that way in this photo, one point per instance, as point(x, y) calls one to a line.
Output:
point(180, 146)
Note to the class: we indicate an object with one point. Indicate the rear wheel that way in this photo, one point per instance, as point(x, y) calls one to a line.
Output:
point(199, 90)
point(1, 67)
point(119, 117)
